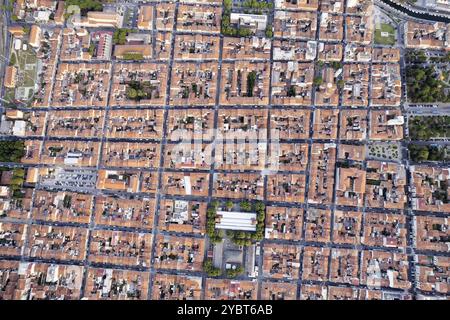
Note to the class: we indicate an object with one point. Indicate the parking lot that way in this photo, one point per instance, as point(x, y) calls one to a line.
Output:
point(70, 179)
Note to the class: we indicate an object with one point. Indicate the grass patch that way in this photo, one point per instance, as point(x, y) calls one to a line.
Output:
point(25, 58)
point(9, 94)
point(390, 39)
point(26, 63)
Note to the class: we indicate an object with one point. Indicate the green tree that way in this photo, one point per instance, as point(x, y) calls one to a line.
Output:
point(194, 88)
point(251, 81)
point(240, 235)
point(260, 217)
point(19, 172)
point(131, 93)
point(245, 206)
point(92, 49)
point(216, 238)
point(318, 81)
point(214, 204)
point(244, 32)
point(258, 236)
point(269, 32)
point(260, 206)
point(227, 4)
point(233, 273)
point(209, 268)
point(13, 59)
point(120, 36)
point(11, 151)
point(230, 233)
point(291, 92)
point(418, 153)
point(336, 65)
point(17, 181)
point(210, 212)
point(420, 74)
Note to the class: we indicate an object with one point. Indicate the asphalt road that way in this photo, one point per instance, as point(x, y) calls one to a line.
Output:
point(3, 41)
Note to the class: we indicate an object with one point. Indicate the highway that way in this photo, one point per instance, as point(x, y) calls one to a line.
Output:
point(4, 42)
point(419, 13)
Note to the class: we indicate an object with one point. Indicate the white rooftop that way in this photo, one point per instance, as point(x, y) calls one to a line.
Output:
point(19, 128)
point(245, 221)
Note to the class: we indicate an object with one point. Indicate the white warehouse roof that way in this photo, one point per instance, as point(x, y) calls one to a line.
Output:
point(245, 221)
